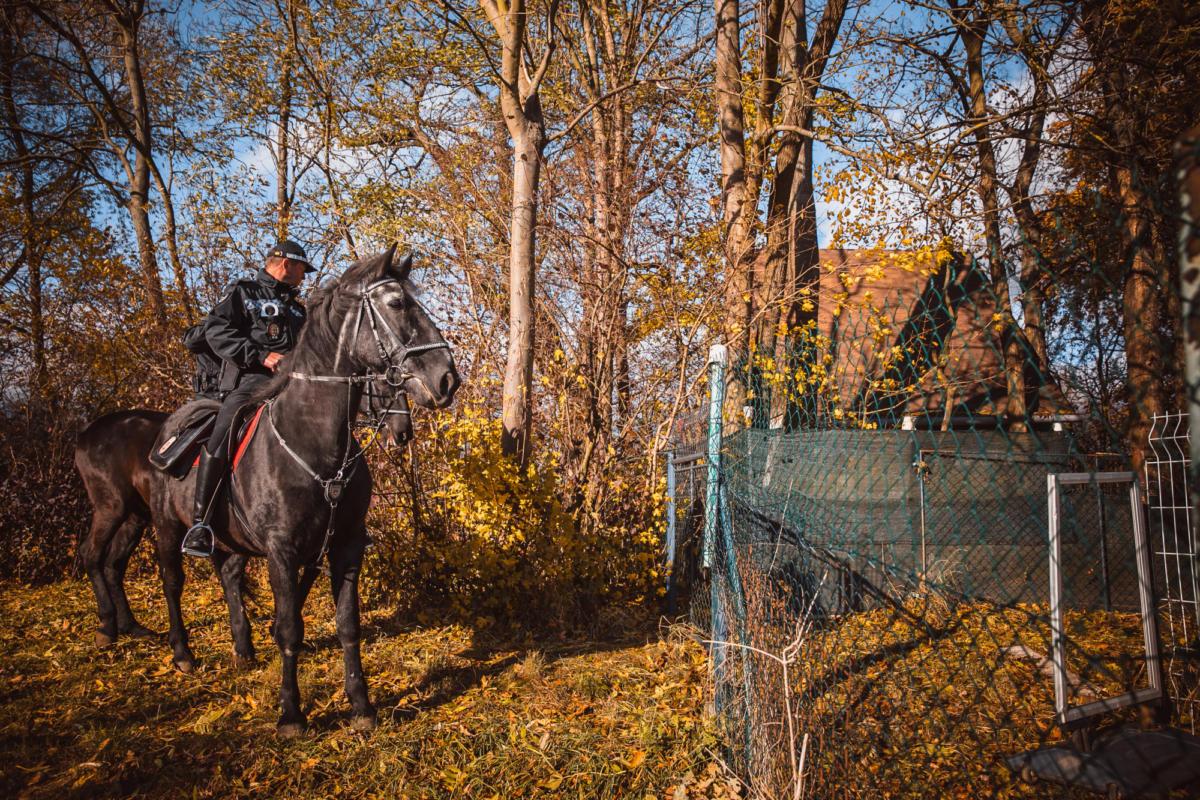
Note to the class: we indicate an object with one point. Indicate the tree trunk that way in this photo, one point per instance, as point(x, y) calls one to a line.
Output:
point(735, 214)
point(181, 287)
point(778, 270)
point(766, 288)
point(1187, 168)
point(30, 241)
point(973, 28)
point(139, 212)
point(1143, 314)
point(780, 276)
point(1142, 293)
point(517, 417)
point(283, 194)
point(139, 189)
point(791, 266)
point(1036, 56)
point(522, 109)
point(1033, 278)
point(596, 342)
point(1033, 307)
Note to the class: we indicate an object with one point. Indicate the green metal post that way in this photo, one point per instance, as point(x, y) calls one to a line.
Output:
point(670, 556)
point(717, 358)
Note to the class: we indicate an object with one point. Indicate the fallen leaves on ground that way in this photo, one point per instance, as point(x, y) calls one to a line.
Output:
point(459, 717)
point(924, 699)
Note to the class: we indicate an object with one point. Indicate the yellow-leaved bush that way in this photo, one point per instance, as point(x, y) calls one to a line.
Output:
point(463, 532)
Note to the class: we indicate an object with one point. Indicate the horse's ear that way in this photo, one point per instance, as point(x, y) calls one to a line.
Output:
point(402, 266)
point(385, 262)
point(389, 265)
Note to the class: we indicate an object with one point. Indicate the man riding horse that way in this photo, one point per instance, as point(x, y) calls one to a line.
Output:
point(302, 490)
point(250, 329)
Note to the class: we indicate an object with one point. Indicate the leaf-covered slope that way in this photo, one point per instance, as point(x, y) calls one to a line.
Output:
point(458, 718)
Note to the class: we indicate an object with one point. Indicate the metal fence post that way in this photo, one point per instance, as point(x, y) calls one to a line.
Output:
point(1187, 161)
point(717, 358)
point(734, 577)
point(670, 532)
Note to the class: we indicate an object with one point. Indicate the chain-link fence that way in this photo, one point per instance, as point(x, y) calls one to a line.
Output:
point(933, 551)
point(882, 608)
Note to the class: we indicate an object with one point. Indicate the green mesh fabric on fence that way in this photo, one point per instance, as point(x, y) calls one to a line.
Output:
point(961, 512)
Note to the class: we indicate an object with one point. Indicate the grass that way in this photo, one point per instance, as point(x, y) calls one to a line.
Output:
point(935, 704)
point(460, 716)
point(915, 704)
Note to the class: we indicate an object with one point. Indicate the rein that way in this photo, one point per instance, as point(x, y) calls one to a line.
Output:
point(395, 375)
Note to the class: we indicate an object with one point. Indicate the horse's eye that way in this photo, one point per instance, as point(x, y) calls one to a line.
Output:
point(395, 303)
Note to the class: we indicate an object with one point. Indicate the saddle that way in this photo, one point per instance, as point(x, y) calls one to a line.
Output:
point(177, 449)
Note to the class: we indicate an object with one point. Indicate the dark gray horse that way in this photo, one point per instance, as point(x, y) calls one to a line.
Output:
point(301, 490)
point(116, 443)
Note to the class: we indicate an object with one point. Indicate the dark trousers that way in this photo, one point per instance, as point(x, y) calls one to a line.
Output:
point(229, 408)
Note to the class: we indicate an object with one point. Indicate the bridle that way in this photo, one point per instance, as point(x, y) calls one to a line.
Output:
point(399, 352)
point(395, 354)
point(381, 405)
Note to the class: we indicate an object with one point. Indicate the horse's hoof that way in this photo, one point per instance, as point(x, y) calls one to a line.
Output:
point(140, 632)
point(104, 640)
point(364, 723)
point(187, 667)
point(244, 662)
point(289, 730)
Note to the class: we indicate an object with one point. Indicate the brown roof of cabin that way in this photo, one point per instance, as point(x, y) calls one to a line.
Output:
point(874, 300)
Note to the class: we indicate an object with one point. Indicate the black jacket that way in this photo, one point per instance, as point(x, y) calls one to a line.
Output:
point(255, 317)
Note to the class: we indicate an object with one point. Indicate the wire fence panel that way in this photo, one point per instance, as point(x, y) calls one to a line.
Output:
point(1176, 559)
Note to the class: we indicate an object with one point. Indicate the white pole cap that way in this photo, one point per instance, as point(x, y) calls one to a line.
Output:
point(718, 354)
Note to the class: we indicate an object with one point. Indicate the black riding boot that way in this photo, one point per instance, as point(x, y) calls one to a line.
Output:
point(199, 541)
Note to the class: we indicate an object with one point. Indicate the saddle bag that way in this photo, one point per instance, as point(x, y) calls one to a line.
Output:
point(176, 454)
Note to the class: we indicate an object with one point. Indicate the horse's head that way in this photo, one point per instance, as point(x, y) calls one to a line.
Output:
point(391, 333)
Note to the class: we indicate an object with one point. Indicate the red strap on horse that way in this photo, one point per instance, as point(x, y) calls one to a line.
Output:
point(245, 442)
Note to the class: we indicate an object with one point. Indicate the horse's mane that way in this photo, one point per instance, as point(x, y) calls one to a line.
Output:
point(319, 335)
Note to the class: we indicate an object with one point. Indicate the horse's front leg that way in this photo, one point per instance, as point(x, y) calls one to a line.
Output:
point(345, 563)
point(289, 633)
point(170, 569)
point(231, 569)
point(308, 576)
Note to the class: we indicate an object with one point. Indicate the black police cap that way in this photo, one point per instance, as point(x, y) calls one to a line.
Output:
point(293, 252)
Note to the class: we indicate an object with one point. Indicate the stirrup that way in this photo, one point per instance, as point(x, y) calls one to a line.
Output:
point(192, 548)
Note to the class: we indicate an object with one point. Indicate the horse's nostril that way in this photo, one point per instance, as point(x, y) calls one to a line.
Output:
point(449, 383)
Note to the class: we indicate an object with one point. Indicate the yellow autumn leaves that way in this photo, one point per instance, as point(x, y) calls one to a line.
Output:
point(498, 542)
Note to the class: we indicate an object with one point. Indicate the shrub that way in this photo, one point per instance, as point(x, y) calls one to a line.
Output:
point(471, 534)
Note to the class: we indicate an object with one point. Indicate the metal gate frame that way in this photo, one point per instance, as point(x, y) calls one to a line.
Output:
point(1078, 716)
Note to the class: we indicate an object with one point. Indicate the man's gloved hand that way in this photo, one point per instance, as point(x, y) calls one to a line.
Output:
point(272, 360)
